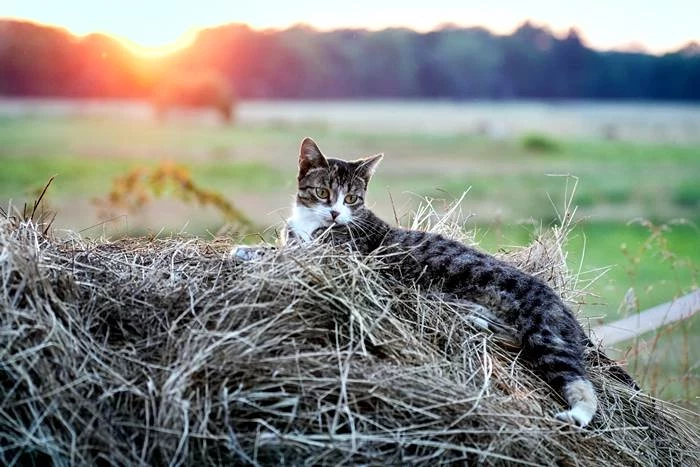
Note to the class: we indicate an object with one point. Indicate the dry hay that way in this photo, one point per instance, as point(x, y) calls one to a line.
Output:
point(165, 351)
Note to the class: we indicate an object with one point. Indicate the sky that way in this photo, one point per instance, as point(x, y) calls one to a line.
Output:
point(658, 26)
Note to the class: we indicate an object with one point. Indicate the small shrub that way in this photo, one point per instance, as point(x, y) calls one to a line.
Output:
point(139, 186)
point(536, 142)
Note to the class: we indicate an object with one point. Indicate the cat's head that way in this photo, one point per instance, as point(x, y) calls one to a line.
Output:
point(331, 190)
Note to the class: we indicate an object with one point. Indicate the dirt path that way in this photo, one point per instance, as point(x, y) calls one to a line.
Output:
point(654, 318)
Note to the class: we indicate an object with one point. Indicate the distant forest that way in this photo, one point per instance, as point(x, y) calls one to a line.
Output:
point(300, 62)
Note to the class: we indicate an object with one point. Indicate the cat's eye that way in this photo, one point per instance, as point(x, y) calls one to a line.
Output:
point(322, 193)
point(351, 199)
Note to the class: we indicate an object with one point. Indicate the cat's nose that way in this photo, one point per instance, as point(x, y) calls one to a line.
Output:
point(334, 214)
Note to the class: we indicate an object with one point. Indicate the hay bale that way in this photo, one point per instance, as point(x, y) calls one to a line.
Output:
point(166, 351)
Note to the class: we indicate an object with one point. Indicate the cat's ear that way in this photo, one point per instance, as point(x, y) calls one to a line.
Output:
point(310, 157)
point(368, 165)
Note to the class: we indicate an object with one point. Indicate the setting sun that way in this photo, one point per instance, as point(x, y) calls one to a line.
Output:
point(157, 48)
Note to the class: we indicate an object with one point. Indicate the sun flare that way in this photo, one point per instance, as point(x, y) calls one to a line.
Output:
point(155, 49)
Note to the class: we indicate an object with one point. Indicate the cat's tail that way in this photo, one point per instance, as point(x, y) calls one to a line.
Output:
point(557, 355)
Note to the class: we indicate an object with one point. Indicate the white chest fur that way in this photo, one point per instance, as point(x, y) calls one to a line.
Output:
point(304, 221)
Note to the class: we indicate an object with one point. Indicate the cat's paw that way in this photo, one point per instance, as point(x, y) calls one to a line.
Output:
point(479, 323)
point(247, 253)
point(483, 319)
point(480, 317)
point(576, 416)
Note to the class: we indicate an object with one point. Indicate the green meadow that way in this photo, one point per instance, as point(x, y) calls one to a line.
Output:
point(638, 203)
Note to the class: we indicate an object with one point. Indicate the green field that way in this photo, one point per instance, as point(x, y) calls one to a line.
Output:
point(511, 193)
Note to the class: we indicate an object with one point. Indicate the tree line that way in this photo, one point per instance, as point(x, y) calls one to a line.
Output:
point(300, 62)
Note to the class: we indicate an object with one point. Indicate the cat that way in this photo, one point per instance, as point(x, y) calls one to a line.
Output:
point(330, 206)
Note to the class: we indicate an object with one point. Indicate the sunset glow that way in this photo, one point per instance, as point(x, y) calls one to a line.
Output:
point(146, 49)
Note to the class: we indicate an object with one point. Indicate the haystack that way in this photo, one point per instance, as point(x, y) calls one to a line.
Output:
point(169, 352)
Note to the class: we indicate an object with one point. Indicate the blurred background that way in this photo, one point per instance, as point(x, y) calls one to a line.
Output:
point(157, 119)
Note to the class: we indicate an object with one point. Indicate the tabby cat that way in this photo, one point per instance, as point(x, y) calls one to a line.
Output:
point(330, 204)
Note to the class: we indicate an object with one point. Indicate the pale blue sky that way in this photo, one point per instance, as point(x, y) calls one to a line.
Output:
point(657, 25)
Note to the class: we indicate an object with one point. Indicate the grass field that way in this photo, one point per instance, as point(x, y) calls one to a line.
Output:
point(511, 193)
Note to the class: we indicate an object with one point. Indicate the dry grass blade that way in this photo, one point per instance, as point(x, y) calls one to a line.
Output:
point(39, 198)
point(165, 351)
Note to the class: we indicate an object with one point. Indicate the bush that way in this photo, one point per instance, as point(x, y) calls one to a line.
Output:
point(536, 142)
point(687, 195)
